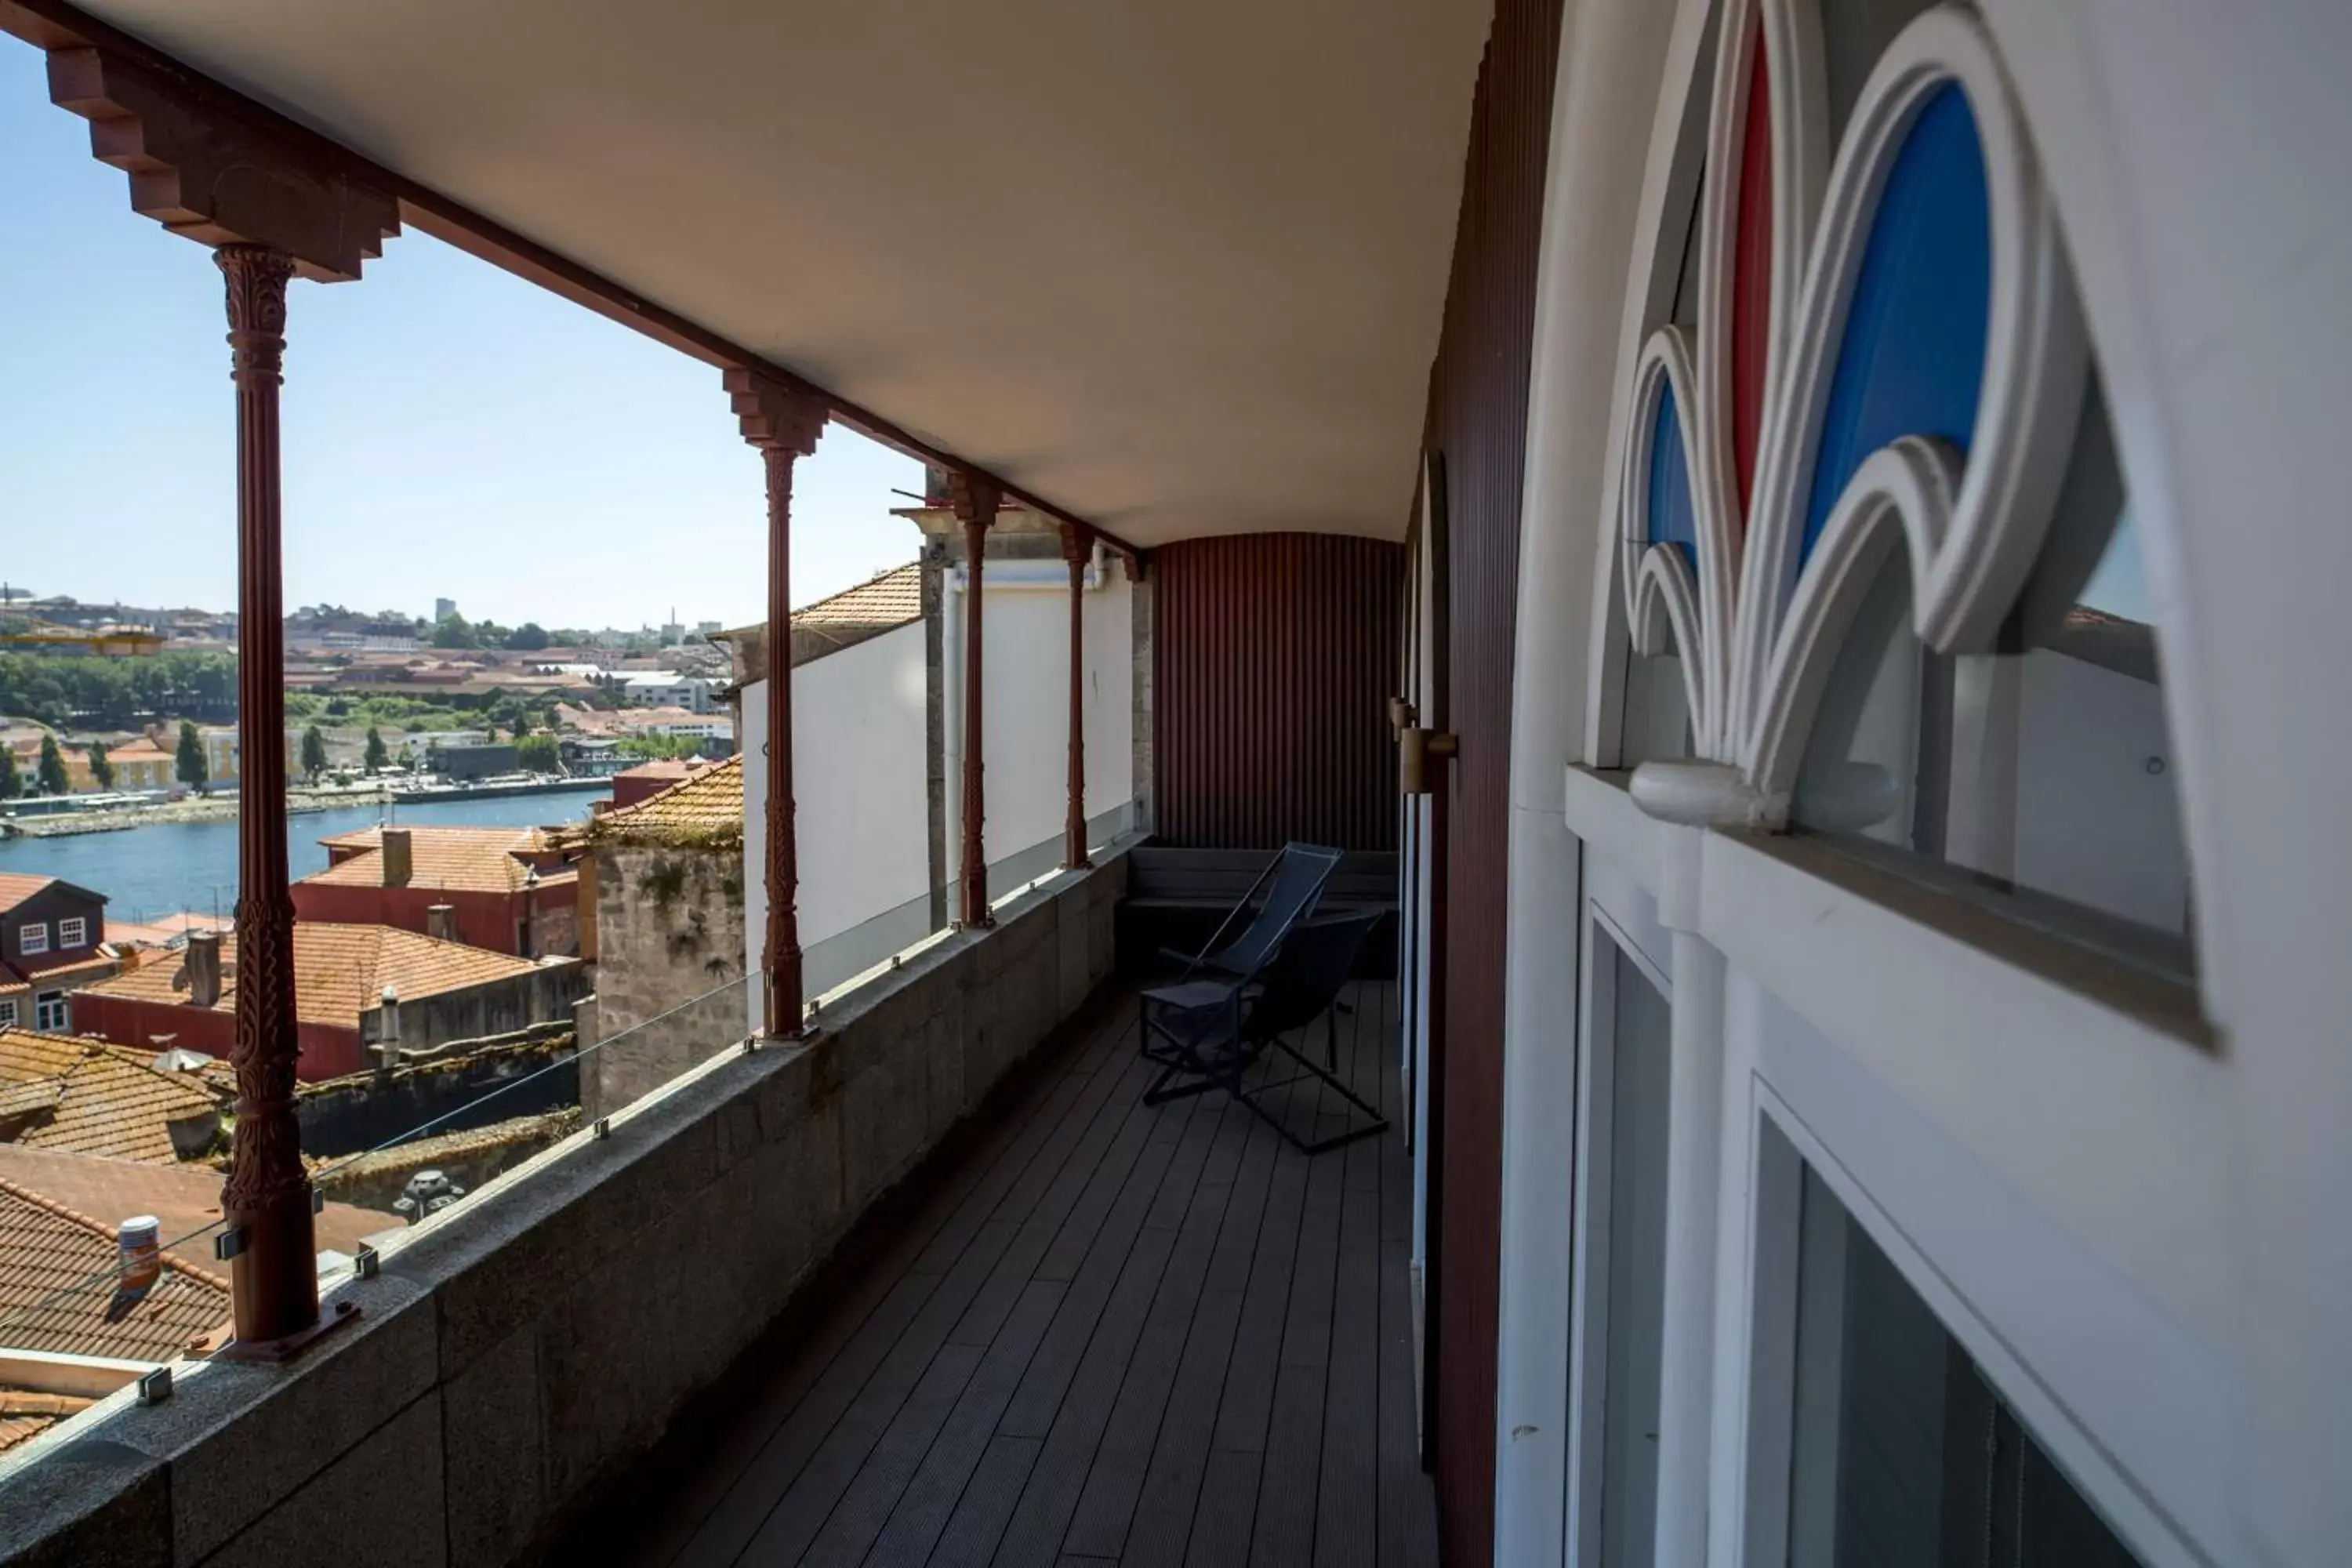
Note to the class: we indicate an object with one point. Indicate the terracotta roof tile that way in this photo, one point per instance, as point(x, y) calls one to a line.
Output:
point(451, 859)
point(706, 810)
point(57, 1294)
point(15, 886)
point(184, 1198)
point(891, 599)
point(108, 1098)
point(26, 1415)
point(66, 971)
point(339, 972)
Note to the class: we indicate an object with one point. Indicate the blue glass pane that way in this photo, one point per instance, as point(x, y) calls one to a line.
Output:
point(1912, 362)
point(1674, 519)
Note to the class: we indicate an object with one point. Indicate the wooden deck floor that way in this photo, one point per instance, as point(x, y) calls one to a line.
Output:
point(1116, 1334)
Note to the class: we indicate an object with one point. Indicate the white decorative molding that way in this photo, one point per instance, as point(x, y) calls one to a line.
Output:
point(1756, 632)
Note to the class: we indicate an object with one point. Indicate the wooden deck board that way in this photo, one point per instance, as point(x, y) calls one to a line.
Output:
point(1116, 1334)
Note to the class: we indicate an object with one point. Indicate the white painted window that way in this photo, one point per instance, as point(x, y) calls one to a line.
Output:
point(9, 1011)
point(33, 937)
point(1901, 1450)
point(73, 933)
point(50, 1012)
point(1636, 1267)
point(2042, 770)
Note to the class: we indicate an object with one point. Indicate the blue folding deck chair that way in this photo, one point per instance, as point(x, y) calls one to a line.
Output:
point(1209, 1034)
point(1298, 874)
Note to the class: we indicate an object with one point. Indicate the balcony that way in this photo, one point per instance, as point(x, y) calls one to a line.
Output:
point(934, 1286)
point(1114, 1333)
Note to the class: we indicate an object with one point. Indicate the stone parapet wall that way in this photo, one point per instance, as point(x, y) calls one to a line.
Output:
point(523, 1349)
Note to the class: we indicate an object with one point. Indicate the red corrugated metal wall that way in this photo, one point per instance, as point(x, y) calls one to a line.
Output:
point(1274, 659)
point(1478, 419)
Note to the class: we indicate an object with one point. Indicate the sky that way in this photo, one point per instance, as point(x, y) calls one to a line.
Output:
point(448, 430)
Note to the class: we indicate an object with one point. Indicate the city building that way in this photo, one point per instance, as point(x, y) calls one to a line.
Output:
point(52, 941)
point(492, 888)
point(355, 986)
point(140, 763)
point(668, 688)
point(444, 608)
point(1812, 530)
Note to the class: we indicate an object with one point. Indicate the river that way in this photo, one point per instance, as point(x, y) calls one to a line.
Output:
point(172, 866)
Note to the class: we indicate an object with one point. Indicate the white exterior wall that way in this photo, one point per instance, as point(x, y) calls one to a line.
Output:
point(860, 802)
point(1025, 706)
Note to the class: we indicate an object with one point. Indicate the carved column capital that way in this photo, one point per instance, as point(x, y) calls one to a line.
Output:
point(257, 276)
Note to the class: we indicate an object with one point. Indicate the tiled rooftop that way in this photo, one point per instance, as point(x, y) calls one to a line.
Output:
point(26, 1415)
point(184, 1198)
point(891, 599)
point(450, 859)
point(55, 1295)
point(15, 886)
point(66, 971)
point(339, 972)
point(91, 1097)
point(161, 931)
point(706, 809)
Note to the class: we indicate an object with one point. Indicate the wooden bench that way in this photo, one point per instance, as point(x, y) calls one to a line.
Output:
point(1175, 898)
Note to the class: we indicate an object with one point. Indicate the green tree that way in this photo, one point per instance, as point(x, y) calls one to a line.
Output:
point(314, 752)
point(376, 754)
point(52, 768)
point(453, 631)
point(528, 637)
point(521, 722)
point(12, 783)
point(538, 754)
point(101, 772)
point(189, 767)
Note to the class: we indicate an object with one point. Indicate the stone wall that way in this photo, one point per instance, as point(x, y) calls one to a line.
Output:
point(669, 933)
point(521, 1349)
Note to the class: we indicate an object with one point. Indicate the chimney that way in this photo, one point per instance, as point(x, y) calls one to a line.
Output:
point(441, 921)
point(387, 1033)
point(139, 1253)
point(396, 859)
point(203, 968)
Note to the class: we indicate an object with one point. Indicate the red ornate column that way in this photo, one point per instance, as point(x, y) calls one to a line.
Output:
point(784, 425)
point(273, 1274)
point(1076, 547)
point(976, 501)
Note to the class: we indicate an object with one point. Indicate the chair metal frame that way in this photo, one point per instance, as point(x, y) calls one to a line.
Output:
point(1229, 1034)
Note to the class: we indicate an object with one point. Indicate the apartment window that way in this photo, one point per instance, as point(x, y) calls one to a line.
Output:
point(8, 1014)
point(73, 933)
point(50, 1012)
point(32, 938)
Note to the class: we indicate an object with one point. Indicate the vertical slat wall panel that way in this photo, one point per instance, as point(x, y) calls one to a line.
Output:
point(1477, 419)
point(1275, 656)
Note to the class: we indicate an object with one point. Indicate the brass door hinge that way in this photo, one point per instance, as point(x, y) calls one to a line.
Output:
point(1415, 747)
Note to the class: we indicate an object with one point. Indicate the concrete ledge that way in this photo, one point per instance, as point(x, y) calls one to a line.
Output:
point(521, 1349)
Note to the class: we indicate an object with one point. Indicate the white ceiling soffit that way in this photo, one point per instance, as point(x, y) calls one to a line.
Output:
point(1177, 267)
